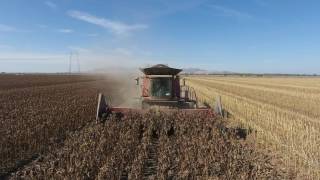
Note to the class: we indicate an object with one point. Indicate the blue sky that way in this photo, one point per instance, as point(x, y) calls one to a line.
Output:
point(258, 36)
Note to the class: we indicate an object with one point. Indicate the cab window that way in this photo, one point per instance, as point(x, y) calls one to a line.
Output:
point(161, 87)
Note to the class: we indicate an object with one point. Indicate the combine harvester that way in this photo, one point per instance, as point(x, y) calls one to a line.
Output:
point(161, 89)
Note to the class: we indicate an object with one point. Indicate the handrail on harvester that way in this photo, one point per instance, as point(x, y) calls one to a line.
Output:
point(189, 94)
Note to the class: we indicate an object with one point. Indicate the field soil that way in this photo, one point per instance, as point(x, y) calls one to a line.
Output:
point(36, 116)
point(47, 131)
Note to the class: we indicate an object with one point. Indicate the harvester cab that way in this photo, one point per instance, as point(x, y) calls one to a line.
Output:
point(160, 88)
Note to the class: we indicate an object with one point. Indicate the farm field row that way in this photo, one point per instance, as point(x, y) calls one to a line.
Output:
point(35, 119)
point(10, 81)
point(284, 111)
point(48, 131)
point(154, 146)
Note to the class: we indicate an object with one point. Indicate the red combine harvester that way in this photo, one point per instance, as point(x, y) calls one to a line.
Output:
point(161, 89)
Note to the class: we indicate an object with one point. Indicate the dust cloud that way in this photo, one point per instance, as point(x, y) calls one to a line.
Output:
point(127, 92)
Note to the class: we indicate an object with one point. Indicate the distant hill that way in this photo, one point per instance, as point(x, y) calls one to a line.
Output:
point(194, 71)
point(203, 71)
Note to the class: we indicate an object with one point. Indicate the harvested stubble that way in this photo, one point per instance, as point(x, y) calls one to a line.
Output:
point(284, 111)
point(189, 147)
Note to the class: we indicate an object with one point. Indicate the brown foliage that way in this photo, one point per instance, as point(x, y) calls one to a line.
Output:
point(190, 147)
point(34, 120)
point(47, 131)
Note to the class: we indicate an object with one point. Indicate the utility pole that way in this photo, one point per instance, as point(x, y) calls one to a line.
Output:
point(74, 56)
point(78, 61)
point(70, 62)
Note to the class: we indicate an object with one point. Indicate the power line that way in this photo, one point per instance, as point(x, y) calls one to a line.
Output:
point(70, 64)
point(74, 57)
